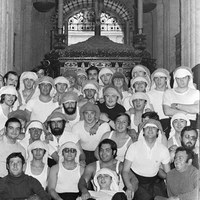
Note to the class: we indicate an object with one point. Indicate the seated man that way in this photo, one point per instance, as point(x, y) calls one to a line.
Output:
point(107, 159)
point(17, 185)
point(182, 180)
point(106, 182)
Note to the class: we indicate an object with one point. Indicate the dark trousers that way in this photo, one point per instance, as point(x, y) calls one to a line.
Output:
point(149, 187)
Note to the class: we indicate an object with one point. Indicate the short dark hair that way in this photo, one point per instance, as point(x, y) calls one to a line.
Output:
point(92, 68)
point(124, 114)
point(10, 72)
point(14, 155)
point(12, 119)
point(189, 152)
point(112, 144)
point(151, 115)
point(188, 128)
point(38, 68)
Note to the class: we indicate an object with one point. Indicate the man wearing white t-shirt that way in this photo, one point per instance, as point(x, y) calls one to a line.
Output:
point(160, 80)
point(183, 97)
point(40, 107)
point(144, 158)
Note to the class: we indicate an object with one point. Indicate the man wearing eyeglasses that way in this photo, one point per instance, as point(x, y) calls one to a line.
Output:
point(64, 177)
point(144, 159)
point(189, 140)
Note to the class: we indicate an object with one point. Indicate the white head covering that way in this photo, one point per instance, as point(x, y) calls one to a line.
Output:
point(160, 72)
point(114, 185)
point(90, 84)
point(139, 95)
point(33, 124)
point(29, 75)
point(68, 145)
point(41, 145)
point(44, 79)
point(138, 79)
point(62, 79)
point(178, 116)
point(9, 89)
point(104, 70)
point(181, 72)
point(140, 68)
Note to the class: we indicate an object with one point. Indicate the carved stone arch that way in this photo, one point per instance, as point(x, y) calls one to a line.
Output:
point(113, 7)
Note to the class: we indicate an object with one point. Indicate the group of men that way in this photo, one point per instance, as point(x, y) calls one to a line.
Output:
point(51, 129)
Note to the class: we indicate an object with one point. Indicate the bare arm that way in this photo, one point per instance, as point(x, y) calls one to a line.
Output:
point(85, 178)
point(189, 108)
point(52, 181)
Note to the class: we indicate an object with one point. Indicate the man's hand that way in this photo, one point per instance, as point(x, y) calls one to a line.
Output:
point(129, 194)
point(85, 195)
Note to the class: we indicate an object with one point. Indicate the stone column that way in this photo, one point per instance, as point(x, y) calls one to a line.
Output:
point(60, 16)
point(190, 32)
point(98, 6)
point(6, 35)
point(140, 16)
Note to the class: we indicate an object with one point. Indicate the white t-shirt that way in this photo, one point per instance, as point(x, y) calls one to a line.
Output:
point(65, 137)
point(89, 142)
point(146, 161)
point(189, 97)
point(40, 110)
point(156, 99)
point(5, 150)
point(3, 118)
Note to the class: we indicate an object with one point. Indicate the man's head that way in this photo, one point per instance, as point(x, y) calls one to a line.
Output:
point(69, 102)
point(179, 121)
point(140, 70)
point(107, 150)
point(183, 158)
point(119, 81)
point(45, 85)
point(11, 78)
point(8, 95)
point(140, 84)
point(69, 152)
point(150, 130)
point(61, 84)
point(122, 122)
point(38, 151)
point(15, 164)
point(12, 128)
point(41, 71)
point(105, 76)
point(56, 122)
point(90, 113)
point(90, 89)
point(111, 96)
point(160, 79)
point(138, 101)
point(92, 73)
point(183, 78)
point(81, 77)
point(35, 129)
point(27, 80)
point(106, 179)
point(189, 137)
point(71, 77)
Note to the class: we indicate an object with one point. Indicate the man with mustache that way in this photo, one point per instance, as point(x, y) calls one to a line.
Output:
point(189, 140)
point(70, 108)
point(57, 125)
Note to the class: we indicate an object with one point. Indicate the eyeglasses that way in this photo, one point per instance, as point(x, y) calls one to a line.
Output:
point(190, 137)
point(71, 150)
